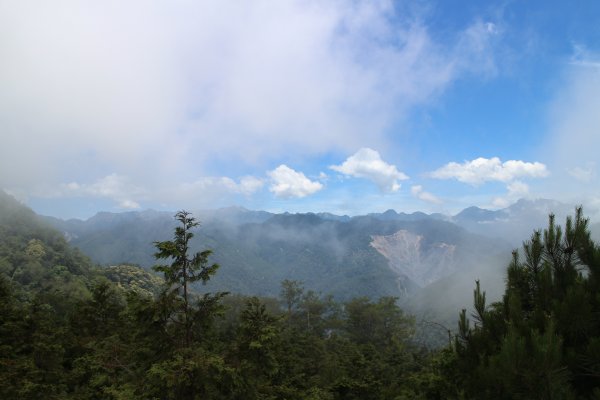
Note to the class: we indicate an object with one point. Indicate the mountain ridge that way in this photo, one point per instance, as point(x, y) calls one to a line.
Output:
point(258, 249)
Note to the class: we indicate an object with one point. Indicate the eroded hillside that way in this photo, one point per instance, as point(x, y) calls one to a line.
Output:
point(409, 256)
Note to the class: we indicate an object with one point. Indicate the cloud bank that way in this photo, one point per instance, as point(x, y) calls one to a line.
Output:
point(574, 136)
point(114, 187)
point(127, 195)
point(481, 170)
point(155, 89)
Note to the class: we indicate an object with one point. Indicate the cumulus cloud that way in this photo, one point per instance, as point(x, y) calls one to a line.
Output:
point(367, 163)
point(418, 192)
point(90, 86)
point(287, 183)
point(481, 170)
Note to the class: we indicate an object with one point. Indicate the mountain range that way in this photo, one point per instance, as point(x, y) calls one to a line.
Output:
point(378, 254)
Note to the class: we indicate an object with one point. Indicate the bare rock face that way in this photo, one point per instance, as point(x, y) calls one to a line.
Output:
point(409, 257)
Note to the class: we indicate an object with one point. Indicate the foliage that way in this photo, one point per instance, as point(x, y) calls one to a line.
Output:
point(133, 278)
point(181, 273)
point(541, 340)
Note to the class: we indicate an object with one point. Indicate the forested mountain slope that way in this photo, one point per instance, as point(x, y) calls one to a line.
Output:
point(37, 258)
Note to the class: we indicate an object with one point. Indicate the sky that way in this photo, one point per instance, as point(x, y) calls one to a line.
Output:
point(341, 106)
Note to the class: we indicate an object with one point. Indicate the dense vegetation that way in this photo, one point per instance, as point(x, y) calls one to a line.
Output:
point(543, 339)
point(72, 330)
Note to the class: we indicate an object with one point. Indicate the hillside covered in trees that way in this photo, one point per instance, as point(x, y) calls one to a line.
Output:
point(69, 329)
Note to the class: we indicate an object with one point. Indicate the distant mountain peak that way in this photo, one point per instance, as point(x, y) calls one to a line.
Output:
point(474, 213)
point(540, 205)
point(333, 217)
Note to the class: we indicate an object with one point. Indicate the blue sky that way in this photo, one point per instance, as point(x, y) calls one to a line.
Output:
point(342, 106)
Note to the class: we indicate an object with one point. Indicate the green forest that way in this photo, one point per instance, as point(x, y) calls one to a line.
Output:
point(73, 330)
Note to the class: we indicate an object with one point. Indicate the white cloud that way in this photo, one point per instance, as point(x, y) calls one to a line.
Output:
point(211, 190)
point(474, 45)
point(572, 143)
point(129, 204)
point(112, 186)
point(367, 163)
point(247, 185)
point(501, 202)
point(418, 192)
point(574, 118)
point(250, 184)
point(584, 175)
point(116, 187)
point(287, 183)
point(515, 190)
point(112, 84)
point(205, 191)
point(483, 170)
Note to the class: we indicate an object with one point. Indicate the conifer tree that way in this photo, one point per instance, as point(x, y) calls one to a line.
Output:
point(191, 371)
point(183, 270)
